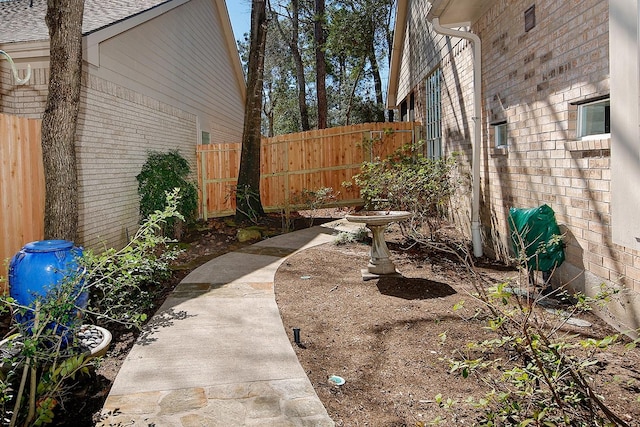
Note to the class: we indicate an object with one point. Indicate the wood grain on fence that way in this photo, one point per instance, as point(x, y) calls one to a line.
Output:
point(21, 186)
point(293, 163)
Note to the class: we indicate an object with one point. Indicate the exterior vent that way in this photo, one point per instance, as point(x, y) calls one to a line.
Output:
point(530, 18)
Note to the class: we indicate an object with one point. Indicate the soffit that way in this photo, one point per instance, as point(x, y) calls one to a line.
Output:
point(458, 11)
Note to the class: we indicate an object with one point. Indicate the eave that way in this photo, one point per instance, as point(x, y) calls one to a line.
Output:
point(453, 12)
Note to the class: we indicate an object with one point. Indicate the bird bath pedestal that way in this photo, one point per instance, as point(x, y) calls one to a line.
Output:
point(377, 222)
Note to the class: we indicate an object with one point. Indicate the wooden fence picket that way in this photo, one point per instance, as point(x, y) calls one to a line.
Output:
point(296, 162)
point(21, 186)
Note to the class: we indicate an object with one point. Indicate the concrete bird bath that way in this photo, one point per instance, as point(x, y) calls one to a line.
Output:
point(377, 222)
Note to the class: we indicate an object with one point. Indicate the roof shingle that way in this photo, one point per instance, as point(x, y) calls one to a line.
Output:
point(23, 20)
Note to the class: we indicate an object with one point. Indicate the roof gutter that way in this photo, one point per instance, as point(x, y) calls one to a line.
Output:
point(476, 235)
point(400, 26)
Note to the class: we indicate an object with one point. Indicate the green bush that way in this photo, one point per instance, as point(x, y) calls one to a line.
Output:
point(123, 282)
point(535, 371)
point(37, 370)
point(409, 181)
point(161, 173)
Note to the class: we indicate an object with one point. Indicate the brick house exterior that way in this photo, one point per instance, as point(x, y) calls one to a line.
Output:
point(158, 75)
point(541, 62)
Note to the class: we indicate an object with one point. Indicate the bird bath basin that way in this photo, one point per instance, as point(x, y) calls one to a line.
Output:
point(92, 341)
point(377, 222)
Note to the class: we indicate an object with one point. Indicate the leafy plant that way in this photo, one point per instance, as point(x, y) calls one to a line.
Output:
point(312, 200)
point(406, 180)
point(41, 359)
point(121, 282)
point(535, 374)
point(344, 237)
point(252, 199)
point(161, 173)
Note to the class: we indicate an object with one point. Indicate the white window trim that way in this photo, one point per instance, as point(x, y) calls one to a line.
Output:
point(433, 114)
point(496, 131)
point(580, 118)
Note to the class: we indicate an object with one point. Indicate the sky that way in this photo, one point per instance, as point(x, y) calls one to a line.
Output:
point(240, 14)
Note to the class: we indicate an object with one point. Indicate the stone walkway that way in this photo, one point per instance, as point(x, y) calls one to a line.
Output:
point(216, 353)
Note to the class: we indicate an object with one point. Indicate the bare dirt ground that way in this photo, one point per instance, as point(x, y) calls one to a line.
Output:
point(391, 339)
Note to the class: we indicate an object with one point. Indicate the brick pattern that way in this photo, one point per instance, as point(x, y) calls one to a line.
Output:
point(27, 100)
point(532, 80)
point(117, 128)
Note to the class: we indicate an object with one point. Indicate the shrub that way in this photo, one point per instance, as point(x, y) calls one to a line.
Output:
point(38, 368)
point(344, 237)
point(251, 199)
point(409, 181)
point(161, 173)
point(314, 200)
point(536, 373)
point(122, 282)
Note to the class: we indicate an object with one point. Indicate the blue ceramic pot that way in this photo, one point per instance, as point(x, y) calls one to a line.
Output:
point(38, 268)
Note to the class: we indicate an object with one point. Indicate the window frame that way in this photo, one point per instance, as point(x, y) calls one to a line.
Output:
point(583, 108)
point(500, 129)
point(205, 137)
point(433, 114)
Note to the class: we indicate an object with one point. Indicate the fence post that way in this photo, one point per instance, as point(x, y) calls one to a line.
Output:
point(203, 181)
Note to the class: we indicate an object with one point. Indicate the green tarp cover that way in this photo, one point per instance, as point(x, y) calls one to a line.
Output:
point(533, 229)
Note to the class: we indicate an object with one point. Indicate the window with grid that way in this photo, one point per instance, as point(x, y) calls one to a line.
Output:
point(433, 132)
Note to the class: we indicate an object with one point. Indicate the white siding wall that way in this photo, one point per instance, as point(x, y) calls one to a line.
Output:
point(157, 85)
point(180, 58)
point(625, 117)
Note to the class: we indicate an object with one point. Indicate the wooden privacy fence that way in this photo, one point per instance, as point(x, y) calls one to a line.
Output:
point(296, 162)
point(21, 186)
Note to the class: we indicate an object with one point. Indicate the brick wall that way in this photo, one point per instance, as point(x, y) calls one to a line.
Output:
point(532, 80)
point(27, 100)
point(5, 76)
point(117, 128)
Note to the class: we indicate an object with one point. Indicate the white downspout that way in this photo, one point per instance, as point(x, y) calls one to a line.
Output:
point(476, 235)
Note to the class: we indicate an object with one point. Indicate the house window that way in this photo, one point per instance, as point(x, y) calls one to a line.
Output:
point(206, 137)
point(594, 118)
point(433, 126)
point(500, 134)
point(403, 111)
point(412, 107)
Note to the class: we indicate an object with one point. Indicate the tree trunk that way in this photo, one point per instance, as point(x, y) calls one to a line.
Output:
point(378, 84)
point(321, 66)
point(301, 80)
point(268, 110)
point(352, 93)
point(60, 118)
point(248, 202)
point(297, 59)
